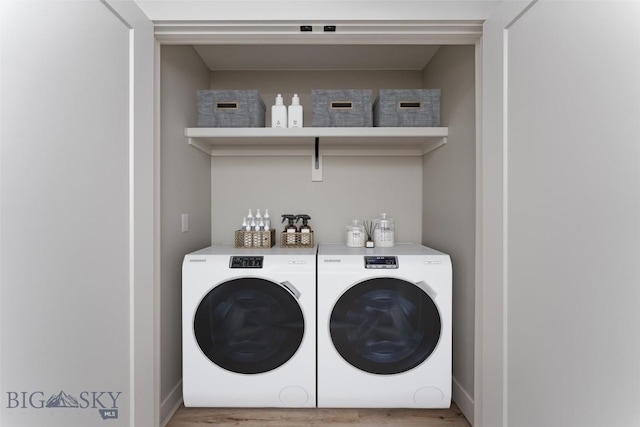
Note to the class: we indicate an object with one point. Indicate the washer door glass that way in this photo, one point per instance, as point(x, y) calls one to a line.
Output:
point(385, 326)
point(249, 325)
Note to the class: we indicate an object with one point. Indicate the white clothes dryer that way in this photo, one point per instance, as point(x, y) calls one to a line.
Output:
point(249, 327)
point(384, 327)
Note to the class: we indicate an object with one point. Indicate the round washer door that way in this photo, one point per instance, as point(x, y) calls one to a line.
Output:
point(385, 326)
point(249, 325)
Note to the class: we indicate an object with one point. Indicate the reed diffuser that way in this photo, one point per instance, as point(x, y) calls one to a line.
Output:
point(369, 226)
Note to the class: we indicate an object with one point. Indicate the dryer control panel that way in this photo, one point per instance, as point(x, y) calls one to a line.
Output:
point(380, 261)
point(246, 262)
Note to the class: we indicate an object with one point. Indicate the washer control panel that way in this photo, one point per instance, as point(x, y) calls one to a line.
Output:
point(246, 262)
point(380, 261)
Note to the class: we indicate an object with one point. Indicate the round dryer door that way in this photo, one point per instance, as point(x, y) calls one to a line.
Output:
point(385, 326)
point(249, 325)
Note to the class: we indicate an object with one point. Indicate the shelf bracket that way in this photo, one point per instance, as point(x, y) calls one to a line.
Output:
point(204, 147)
point(316, 163)
point(433, 145)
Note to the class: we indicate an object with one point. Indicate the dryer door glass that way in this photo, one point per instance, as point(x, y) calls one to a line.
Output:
point(385, 326)
point(249, 325)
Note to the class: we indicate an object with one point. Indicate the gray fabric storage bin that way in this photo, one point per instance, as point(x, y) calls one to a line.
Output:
point(230, 109)
point(407, 108)
point(341, 107)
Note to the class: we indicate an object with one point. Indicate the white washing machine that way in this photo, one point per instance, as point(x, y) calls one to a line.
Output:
point(384, 327)
point(249, 327)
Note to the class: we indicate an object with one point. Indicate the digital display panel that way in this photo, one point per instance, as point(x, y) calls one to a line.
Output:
point(246, 262)
point(380, 261)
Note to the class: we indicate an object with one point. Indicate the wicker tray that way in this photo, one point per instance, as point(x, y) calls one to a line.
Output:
point(296, 240)
point(255, 239)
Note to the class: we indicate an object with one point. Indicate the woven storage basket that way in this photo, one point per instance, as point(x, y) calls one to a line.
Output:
point(296, 240)
point(255, 239)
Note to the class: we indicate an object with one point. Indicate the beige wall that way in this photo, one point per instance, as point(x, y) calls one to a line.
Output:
point(185, 188)
point(432, 199)
point(352, 187)
point(270, 83)
point(449, 202)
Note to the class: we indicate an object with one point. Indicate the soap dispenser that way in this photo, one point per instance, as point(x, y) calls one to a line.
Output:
point(279, 113)
point(290, 229)
point(295, 112)
point(305, 229)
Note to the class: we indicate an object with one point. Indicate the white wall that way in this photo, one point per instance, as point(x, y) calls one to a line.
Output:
point(65, 208)
point(449, 211)
point(573, 215)
point(185, 189)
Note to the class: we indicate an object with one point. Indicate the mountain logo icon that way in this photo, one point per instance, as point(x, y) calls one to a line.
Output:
point(62, 400)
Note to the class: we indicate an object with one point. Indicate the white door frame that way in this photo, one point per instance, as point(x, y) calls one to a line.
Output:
point(144, 297)
point(355, 32)
point(491, 359)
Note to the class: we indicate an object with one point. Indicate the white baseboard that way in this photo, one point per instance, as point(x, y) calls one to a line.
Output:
point(170, 404)
point(463, 400)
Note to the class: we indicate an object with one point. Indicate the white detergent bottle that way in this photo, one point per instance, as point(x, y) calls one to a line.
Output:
point(295, 112)
point(279, 113)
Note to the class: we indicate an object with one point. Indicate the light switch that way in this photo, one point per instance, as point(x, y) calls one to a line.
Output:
point(185, 223)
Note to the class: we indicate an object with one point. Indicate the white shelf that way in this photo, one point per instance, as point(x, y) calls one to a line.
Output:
point(363, 141)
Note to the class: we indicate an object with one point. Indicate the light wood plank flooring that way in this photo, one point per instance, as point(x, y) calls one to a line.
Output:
point(256, 417)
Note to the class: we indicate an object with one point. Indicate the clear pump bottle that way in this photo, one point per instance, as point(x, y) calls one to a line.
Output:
point(267, 220)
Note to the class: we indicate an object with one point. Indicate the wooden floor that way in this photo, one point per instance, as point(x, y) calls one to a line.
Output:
point(250, 417)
